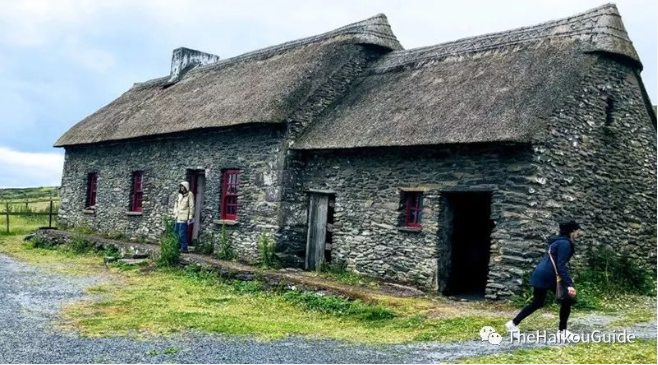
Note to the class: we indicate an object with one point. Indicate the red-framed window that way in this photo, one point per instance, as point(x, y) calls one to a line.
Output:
point(230, 185)
point(414, 206)
point(137, 192)
point(92, 188)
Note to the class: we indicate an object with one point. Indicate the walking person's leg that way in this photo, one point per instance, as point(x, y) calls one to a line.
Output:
point(565, 311)
point(538, 299)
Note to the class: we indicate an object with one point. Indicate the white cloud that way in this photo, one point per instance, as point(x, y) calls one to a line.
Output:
point(22, 169)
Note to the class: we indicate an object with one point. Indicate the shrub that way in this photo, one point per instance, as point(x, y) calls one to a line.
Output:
point(608, 274)
point(83, 229)
point(80, 244)
point(225, 250)
point(40, 242)
point(169, 251)
point(266, 249)
point(204, 244)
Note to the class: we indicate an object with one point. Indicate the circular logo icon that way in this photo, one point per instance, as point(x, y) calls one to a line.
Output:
point(485, 332)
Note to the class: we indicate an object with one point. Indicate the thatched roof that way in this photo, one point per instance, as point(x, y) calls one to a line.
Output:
point(263, 86)
point(491, 88)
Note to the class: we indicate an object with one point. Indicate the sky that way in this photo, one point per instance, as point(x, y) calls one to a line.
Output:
point(62, 60)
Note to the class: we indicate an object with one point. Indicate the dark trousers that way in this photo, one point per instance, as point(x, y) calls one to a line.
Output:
point(538, 299)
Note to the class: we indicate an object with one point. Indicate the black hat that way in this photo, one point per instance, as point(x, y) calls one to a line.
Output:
point(566, 227)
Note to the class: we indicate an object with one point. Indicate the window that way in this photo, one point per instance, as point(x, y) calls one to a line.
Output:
point(137, 192)
point(229, 203)
point(414, 209)
point(92, 186)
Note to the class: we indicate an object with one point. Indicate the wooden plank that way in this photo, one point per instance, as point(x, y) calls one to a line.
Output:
point(317, 231)
point(321, 227)
point(27, 214)
point(310, 236)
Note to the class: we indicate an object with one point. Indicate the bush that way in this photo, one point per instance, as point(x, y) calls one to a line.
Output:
point(609, 274)
point(80, 244)
point(205, 245)
point(40, 242)
point(169, 250)
point(266, 250)
point(338, 306)
point(225, 250)
point(83, 229)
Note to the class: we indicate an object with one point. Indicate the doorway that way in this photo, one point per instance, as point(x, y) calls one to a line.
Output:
point(197, 180)
point(465, 243)
point(319, 238)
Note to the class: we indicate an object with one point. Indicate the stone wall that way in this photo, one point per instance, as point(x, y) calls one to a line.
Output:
point(596, 162)
point(165, 162)
point(367, 230)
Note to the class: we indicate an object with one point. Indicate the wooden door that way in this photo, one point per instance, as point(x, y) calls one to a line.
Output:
point(317, 231)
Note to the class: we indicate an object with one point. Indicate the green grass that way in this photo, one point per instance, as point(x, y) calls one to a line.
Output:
point(138, 301)
point(19, 225)
point(638, 352)
point(20, 194)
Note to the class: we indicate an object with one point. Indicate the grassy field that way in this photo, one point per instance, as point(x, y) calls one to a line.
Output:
point(21, 194)
point(148, 300)
point(161, 301)
point(36, 202)
point(639, 352)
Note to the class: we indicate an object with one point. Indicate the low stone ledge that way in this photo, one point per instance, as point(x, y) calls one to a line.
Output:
point(410, 229)
point(235, 270)
point(226, 222)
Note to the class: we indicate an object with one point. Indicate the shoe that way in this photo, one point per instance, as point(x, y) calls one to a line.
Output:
point(513, 330)
point(184, 251)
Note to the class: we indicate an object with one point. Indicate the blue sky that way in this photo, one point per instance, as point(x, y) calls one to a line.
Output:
point(62, 60)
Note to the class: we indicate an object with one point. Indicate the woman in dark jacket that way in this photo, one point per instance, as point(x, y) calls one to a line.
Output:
point(543, 278)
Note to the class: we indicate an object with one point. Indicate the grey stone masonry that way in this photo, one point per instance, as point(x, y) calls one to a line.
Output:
point(597, 163)
point(165, 162)
point(368, 184)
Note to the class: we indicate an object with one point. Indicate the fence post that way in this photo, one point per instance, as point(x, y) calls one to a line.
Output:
point(7, 215)
point(50, 216)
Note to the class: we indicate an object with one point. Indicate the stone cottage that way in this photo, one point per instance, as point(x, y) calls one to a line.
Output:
point(446, 166)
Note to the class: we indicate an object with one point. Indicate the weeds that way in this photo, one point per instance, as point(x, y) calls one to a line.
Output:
point(205, 244)
point(79, 244)
point(169, 253)
point(266, 249)
point(225, 250)
point(40, 242)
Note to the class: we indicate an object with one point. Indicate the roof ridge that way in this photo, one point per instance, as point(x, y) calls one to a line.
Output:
point(602, 25)
point(374, 30)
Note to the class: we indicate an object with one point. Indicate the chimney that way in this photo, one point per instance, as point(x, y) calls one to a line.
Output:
point(185, 59)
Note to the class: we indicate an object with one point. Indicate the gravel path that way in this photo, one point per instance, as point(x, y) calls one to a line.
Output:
point(32, 298)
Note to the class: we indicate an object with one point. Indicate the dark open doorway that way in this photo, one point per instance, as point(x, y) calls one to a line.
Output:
point(465, 243)
point(197, 180)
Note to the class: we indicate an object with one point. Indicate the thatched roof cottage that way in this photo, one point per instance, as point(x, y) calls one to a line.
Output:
point(445, 166)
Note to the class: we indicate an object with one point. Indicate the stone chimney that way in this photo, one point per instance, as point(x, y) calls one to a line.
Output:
point(185, 59)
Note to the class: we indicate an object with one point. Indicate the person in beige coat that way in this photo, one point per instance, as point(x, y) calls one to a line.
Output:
point(183, 213)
